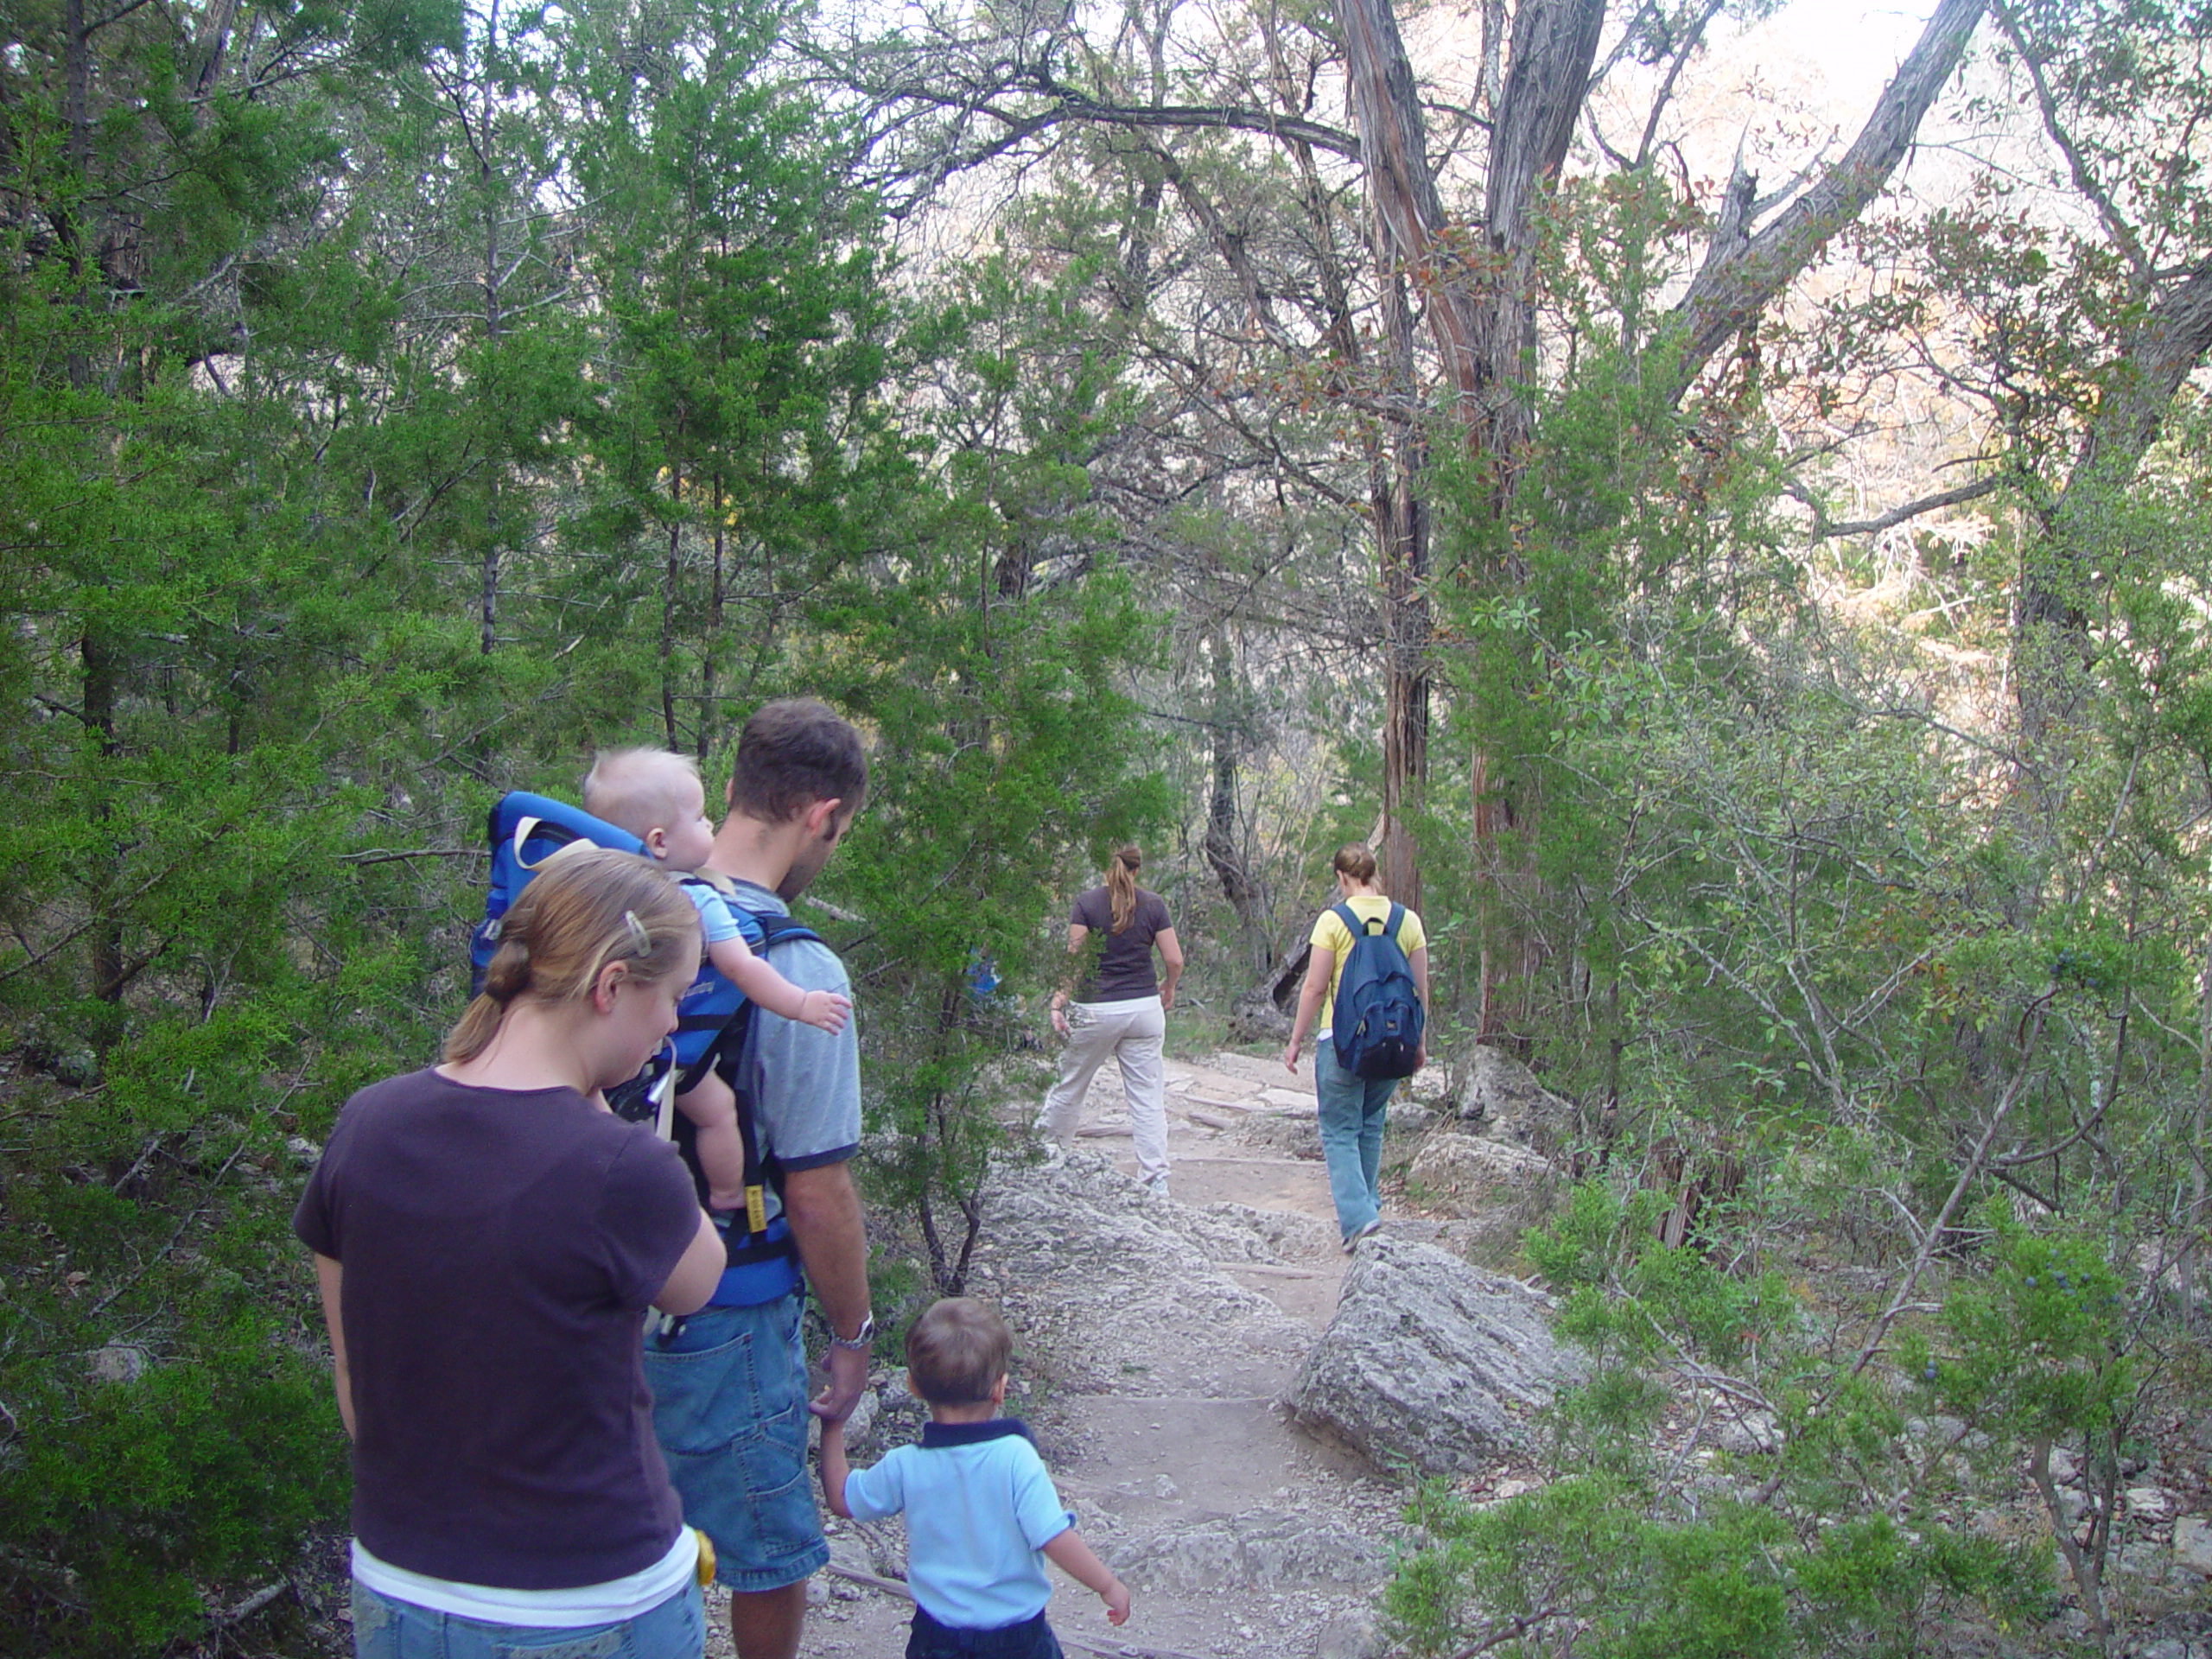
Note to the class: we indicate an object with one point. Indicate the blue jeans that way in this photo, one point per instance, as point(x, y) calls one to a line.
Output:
point(729, 1410)
point(384, 1628)
point(1352, 1136)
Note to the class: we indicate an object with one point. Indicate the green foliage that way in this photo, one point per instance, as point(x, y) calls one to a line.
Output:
point(1007, 754)
point(1580, 1554)
point(2036, 1346)
point(206, 1469)
point(285, 608)
point(1833, 1540)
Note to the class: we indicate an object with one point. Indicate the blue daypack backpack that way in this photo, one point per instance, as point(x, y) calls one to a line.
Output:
point(1379, 1017)
point(714, 1020)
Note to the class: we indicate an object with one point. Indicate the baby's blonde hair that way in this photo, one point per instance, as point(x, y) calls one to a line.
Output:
point(638, 790)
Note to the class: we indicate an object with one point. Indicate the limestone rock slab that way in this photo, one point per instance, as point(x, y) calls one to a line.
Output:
point(1501, 1096)
point(1430, 1362)
point(1264, 1549)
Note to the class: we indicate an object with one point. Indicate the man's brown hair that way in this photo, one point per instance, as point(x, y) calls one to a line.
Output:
point(793, 753)
point(957, 1351)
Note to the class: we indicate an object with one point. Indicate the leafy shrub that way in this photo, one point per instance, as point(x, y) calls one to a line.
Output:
point(1648, 1541)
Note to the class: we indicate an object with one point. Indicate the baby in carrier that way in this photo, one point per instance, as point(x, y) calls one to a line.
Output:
point(659, 798)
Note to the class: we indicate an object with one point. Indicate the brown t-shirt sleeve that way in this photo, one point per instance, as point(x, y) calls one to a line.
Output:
point(315, 1221)
point(649, 1214)
point(311, 1218)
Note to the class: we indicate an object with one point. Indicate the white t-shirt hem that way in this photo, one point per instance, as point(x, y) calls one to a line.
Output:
point(587, 1604)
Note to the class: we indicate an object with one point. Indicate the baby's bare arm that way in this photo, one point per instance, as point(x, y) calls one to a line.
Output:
point(734, 961)
point(1075, 1558)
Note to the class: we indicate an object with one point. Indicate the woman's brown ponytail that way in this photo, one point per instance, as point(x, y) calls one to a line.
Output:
point(1121, 884)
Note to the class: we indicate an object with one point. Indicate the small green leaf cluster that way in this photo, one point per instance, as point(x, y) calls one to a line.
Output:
point(205, 1470)
point(2035, 1347)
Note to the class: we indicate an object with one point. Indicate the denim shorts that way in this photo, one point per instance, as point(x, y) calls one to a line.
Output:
point(384, 1628)
point(729, 1409)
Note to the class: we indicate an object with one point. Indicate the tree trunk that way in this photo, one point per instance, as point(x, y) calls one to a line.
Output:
point(488, 598)
point(494, 326)
point(1223, 846)
point(1742, 272)
point(1554, 46)
point(97, 662)
point(1402, 528)
point(709, 708)
point(2051, 645)
point(1485, 334)
point(671, 573)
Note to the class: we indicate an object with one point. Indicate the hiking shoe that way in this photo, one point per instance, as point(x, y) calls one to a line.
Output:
point(1372, 1227)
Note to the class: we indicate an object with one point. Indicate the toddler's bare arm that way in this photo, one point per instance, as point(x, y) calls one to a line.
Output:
point(1075, 1558)
point(835, 1468)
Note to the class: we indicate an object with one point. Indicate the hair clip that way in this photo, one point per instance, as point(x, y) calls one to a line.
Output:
point(638, 937)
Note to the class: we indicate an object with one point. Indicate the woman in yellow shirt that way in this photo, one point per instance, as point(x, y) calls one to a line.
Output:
point(1352, 1107)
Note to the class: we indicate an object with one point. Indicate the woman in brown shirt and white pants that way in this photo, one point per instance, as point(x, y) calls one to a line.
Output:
point(1119, 1008)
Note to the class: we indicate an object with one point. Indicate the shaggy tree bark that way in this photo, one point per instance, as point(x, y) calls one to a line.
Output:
point(1744, 271)
point(1482, 319)
point(1224, 847)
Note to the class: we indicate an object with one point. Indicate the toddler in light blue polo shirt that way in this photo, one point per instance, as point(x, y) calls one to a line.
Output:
point(981, 1516)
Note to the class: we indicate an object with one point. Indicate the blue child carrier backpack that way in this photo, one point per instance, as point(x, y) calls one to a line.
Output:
point(524, 830)
point(1377, 1021)
point(713, 1020)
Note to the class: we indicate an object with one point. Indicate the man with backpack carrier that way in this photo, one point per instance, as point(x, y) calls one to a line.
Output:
point(1367, 981)
point(729, 1381)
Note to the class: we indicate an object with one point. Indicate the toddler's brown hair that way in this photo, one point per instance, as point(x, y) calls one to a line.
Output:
point(957, 1351)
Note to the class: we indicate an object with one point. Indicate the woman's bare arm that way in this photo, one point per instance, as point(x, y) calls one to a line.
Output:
point(1077, 934)
point(697, 1271)
point(1171, 957)
point(329, 1277)
point(1418, 963)
point(1320, 968)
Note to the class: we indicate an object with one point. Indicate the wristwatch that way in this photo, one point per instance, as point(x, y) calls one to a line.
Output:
point(860, 1340)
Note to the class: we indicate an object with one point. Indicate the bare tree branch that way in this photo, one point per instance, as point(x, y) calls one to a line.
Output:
point(1743, 272)
point(1825, 529)
point(2115, 225)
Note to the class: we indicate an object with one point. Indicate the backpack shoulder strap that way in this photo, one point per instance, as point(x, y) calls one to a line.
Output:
point(1398, 921)
point(774, 930)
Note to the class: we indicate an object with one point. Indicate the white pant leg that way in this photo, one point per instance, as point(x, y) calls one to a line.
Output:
point(1144, 1033)
point(1091, 1039)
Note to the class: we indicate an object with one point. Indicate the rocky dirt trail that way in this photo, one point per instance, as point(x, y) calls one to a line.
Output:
point(1154, 1341)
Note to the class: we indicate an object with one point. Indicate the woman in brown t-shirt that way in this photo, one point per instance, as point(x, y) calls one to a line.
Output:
point(487, 1236)
point(1119, 1008)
